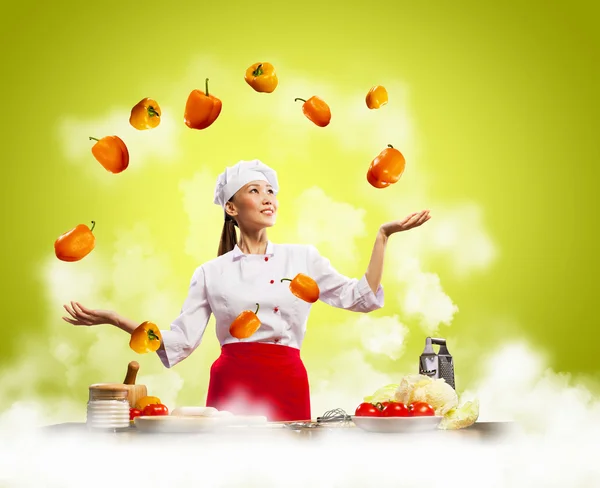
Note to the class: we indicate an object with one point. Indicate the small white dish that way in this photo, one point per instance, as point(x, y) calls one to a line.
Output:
point(176, 424)
point(397, 424)
point(194, 411)
point(191, 424)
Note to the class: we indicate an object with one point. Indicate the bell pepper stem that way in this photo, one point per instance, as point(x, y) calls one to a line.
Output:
point(258, 71)
point(153, 112)
point(94, 139)
point(152, 335)
point(206, 86)
point(257, 307)
point(93, 225)
point(301, 99)
point(389, 145)
point(285, 279)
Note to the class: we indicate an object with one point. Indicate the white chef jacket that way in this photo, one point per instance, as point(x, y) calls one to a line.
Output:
point(234, 282)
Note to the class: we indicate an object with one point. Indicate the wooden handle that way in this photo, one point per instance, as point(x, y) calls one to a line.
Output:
point(132, 370)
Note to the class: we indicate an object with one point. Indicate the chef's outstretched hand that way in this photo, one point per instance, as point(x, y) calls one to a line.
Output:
point(413, 220)
point(80, 315)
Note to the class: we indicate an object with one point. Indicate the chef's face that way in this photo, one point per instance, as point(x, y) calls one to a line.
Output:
point(255, 205)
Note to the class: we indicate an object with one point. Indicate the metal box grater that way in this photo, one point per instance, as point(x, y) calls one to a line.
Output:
point(438, 365)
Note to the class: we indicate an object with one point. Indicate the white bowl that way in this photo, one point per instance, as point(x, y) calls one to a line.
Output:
point(397, 424)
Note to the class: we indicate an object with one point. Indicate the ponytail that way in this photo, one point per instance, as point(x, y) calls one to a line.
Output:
point(228, 236)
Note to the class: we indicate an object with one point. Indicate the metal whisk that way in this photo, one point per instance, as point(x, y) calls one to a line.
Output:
point(335, 415)
point(329, 417)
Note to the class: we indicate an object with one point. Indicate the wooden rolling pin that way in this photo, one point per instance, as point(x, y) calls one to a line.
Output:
point(135, 391)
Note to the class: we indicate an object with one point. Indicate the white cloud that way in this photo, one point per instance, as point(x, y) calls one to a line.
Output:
point(516, 385)
point(156, 145)
point(358, 128)
point(330, 225)
point(348, 376)
point(135, 280)
point(205, 218)
point(289, 137)
point(351, 458)
point(79, 281)
point(422, 297)
point(382, 335)
point(455, 233)
point(142, 277)
point(560, 418)
point(166, 384)
point(554, 443)
point(459, 233)
point(345, 381)
point(64, 352)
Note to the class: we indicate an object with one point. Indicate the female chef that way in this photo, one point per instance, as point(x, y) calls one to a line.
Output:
point(263, 374)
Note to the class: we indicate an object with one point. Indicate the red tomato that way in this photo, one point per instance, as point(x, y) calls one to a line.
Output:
point(134, 412)
point(367, 410)
point(395, 409)
point(421, 409)
point(382, 405)
point(155, 409)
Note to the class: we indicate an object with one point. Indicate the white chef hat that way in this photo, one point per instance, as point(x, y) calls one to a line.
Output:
point(242, 173)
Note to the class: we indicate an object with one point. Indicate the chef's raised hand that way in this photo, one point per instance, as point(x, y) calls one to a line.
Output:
point(375, 269)
point(80, 315)
point(411, 221)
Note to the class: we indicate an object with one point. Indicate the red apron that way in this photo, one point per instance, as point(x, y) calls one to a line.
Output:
point(253, 378)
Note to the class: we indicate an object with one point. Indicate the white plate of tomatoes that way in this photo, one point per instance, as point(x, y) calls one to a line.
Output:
point(395, 417)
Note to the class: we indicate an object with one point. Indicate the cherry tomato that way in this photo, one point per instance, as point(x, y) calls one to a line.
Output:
point(395, 409)
point(421, 409)
point(155, 409)
point(134, 412)
point(367, 410)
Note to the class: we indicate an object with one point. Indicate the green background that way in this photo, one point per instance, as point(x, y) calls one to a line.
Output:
point(494, 106)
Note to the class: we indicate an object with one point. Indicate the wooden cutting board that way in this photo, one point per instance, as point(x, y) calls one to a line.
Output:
point(135, 392)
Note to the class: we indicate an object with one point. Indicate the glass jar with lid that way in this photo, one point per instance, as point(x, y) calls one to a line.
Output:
point(108, 407)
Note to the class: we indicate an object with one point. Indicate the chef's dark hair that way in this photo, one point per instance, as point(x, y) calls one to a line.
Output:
point(228, 235)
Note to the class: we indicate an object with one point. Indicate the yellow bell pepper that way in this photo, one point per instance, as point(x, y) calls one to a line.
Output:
point(261, 77)
point(146, 338)
point(145, 115)
point(377, 97)
point(147, 400)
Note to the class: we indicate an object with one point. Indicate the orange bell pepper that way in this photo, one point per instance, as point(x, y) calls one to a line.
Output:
point(145, 338)
point(304, 287)
point(145, 115)
point(316, 110)
point(377, 97)
point(386, 168)
point(374, 182)
point(261, 77)
point(75, 244)
point(201, 109)
point(245, 324)
point(111, 152)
